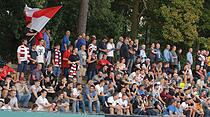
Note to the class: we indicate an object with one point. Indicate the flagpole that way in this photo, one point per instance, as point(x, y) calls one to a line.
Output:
point(32, 36)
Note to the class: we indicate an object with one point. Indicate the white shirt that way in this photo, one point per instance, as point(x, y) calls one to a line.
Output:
point(41, 101)
point(13, 102)
point(75, 92)
point(36, 89)
point(92, 48)
point(99, 89)
point(190, 57)
point(122, 102)
point(110, 47)
point(112, 101)
point(40, 52)
point(143, 55)
point(184, 105)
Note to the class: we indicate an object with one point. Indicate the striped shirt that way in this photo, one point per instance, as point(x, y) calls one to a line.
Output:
point(23, 52)
point(57, 58)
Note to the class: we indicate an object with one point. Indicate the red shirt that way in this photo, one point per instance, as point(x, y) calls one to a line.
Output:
point(2, 75)
point(7, 69)
point(66, 55)
point(38, 36)
point(102, 63)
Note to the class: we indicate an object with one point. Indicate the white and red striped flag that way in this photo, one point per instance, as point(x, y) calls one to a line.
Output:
point(41, 17)
point(28, 13)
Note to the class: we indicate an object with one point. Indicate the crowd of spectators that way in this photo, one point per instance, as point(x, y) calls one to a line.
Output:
point(89, 75)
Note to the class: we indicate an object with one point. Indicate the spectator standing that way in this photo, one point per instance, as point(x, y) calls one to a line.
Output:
point(47, 38)
point(65, 42)
point(110, 49)
point(167, 54)
point(152, 53)
point(158, 55)
point(143, 54)
point(23, 57)
point(118, 46)
point(91, 68)
point(92, 47)
point(83, 65)
point(56, 60)
point(131, 57)
point(124, 50)
point(81, 41)
point(65, 60)
point(174, 58)
point(41, 54)
point(190, 56)
point(74, 63)
point(102, 48)
point(33, 55)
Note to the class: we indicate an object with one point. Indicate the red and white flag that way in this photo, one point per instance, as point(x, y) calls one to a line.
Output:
point(28, 13)
point(41, 17)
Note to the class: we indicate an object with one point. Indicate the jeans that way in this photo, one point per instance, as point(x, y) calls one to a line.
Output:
point(77, 104)
point(24, 99)
point(130, 64)
point(102, 99)
point(66, 72)
point(90, 106)
point(57, 71)
point(91, 73)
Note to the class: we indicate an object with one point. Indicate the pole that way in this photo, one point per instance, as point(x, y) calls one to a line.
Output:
point(32, 36)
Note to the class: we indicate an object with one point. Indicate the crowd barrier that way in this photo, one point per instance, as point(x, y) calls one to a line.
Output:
point(47, 114)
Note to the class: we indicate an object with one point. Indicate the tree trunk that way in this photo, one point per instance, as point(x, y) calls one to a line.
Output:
point(83, 16)
point(135, 19)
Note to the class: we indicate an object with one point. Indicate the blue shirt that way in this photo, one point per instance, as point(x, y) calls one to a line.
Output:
point(166, 54)
point(66, 41)
point(47, 40)
point(80, 42)
point(92, 95)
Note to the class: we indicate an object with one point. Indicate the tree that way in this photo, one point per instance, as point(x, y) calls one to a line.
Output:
point(83, 16)
point(180, 20)
point(102, 21)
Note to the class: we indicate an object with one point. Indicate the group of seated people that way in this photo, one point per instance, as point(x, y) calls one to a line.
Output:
point(111, 91)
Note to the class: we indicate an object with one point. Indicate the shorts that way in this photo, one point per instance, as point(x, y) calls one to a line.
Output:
point(82, 70)
point(22, 67)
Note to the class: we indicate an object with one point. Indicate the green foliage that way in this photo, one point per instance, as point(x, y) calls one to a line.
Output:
point(180, 20)
point(102, 21)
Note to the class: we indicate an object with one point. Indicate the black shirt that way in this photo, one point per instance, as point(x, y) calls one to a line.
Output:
point(74, 58)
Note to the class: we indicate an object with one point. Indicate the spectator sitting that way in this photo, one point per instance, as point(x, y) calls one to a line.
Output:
point(35, 90)
point(78, 99)
point(23, 93)
point(171, 109)
point(113, 105)
point(6, 106)
point(42, 102)
point(37, 74)
point(13, 100)
point(92, 99)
